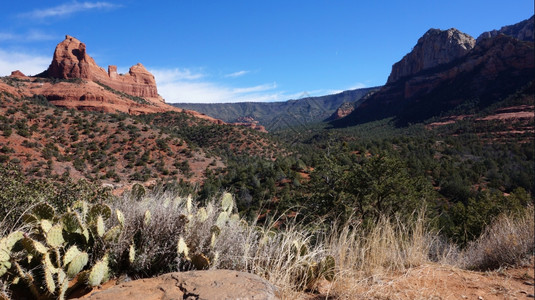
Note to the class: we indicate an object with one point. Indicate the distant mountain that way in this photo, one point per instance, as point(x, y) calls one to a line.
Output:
point(489, 71)
point(275, 115)
point(522, 31)
point(435, 47)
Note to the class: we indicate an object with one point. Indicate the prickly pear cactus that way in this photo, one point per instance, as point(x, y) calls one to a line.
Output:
point(55, 249)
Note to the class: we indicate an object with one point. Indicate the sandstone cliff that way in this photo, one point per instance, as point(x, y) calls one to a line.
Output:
point(434, 48)
point(345, 109)
point(74, 80)
point(420, 88)
point(72, 61)
point(522, 31)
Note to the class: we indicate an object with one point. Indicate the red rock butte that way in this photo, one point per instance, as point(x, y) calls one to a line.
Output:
point(72, 61)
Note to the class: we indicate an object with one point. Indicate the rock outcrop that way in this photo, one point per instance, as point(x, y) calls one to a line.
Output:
point(17, 74)
point(345, 109)
point(523, 31)
point(419, 89)
point(71, 60)
point(434, 48)
point(217, 284)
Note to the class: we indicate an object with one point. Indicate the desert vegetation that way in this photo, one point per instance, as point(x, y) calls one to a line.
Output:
point(149, 232)
point(312, 209)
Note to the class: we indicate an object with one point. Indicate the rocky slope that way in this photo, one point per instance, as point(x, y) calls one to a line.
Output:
point(345, 109)
point(493, 69)
point(522, 31)
point(434, 48)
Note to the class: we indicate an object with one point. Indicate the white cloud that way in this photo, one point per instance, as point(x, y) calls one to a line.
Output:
point(186, 85)
point(171, 75)
point(237, 74)
point(27, 63)
point(30, 36)
point(252, 89)
point(67, 9)
point(210, 92)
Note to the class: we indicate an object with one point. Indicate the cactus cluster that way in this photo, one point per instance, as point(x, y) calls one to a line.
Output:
point(204, 257)
point(309, 270)
point(56, 249)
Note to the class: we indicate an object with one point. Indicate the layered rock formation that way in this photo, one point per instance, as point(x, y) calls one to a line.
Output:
point(345, 109)
point(523, 31)
point(434, 48)
point(72, 61)
point(420, 88)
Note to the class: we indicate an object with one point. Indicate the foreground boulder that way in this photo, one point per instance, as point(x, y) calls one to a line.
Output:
point(216, 284)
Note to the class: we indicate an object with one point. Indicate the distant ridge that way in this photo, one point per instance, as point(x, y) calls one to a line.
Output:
point(276, 115)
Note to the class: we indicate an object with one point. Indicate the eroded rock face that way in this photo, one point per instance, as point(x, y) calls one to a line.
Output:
point(18, 74)
point(345, 109)
point(492, 70)
point(523, 31)
point(434, 48)
point(72, 61)
point(216, 284)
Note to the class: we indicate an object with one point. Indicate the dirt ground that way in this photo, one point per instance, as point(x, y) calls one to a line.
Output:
point(436, 282)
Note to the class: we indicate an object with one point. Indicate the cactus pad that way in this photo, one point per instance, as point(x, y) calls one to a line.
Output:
point(99, 210)
point(227, 203)
point(189, 204)
point(77, 264)
point(45, 225)
point(222, 219)
point(182, 247)
point(131, 254)
point(100, 228)
point(34, 246)
point(72, 222)
point(43, 211)
point(202, 215)
point(99, 272)
point(147, 218)
point(49, 280)
point(112, 234)
point(54, 236)
point(120, 217)
point(327, 267)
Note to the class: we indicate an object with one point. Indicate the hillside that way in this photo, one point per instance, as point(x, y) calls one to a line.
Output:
point(485, 72)
point(75, 120)
point(276, 115)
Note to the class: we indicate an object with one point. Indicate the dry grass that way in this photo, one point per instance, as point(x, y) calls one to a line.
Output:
point(366, 256)
point(367, 259)
point(508, 241)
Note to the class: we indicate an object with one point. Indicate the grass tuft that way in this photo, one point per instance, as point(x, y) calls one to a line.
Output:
point(508, 241)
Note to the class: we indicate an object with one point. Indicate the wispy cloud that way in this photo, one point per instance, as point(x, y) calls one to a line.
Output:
point(185, 85)
point(189, 86)
point(30, 36)
point(176, 74)
point(237, 74)
point(67, 9)
point(28, 64)
point(253, 89)
point(210, 92)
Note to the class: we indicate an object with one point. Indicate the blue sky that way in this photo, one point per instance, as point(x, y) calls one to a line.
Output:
point(228, 51)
